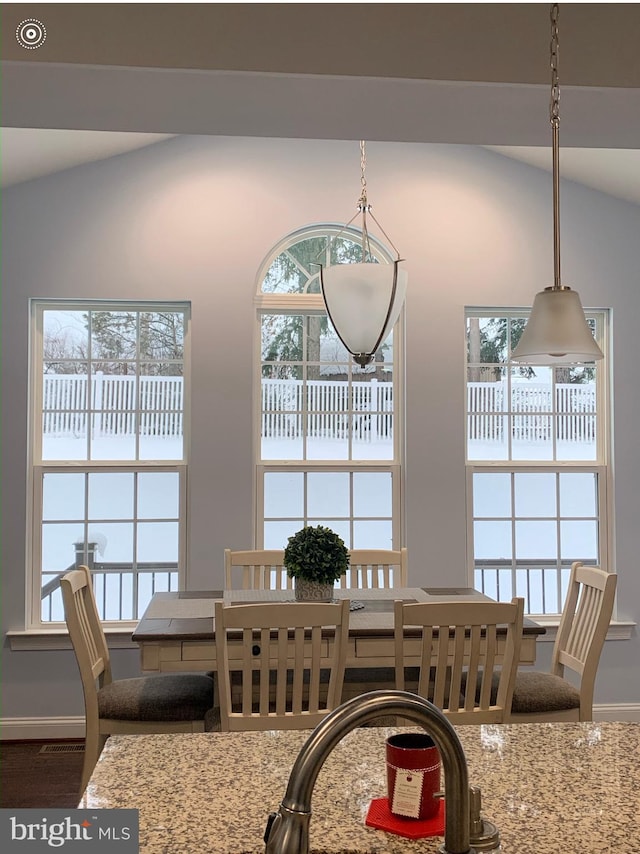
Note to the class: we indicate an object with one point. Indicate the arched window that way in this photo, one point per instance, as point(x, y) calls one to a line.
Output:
point(327, 431)
point(293, 266)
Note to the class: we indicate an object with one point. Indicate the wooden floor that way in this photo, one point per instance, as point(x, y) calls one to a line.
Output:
point(31, 778)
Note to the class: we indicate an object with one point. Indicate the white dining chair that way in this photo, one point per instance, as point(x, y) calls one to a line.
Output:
point(170, 702)
point(455, 645)
point(255, 569)
point(540, 696)
point(372, 568)
point(279, 665)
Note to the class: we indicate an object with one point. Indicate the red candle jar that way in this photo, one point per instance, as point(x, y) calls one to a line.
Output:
point(413, 775)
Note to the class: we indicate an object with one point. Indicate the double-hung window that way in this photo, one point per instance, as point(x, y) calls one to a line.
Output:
point(108, 452)
point(537, 464)
point(327, 432)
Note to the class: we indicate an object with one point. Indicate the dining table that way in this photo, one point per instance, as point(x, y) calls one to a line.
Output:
point(177, 630)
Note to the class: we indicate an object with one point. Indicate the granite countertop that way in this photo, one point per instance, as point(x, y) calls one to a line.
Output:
point(562, 788)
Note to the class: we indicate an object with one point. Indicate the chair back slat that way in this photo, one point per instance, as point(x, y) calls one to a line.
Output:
point(456, 670)
point(314, 678)
point(473, 670)
point(584, 624)
point(489, 653)
point(429, 648)
point(281, 672)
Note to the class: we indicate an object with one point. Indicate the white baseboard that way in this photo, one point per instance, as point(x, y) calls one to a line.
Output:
point(617, 712)
point(41, 729)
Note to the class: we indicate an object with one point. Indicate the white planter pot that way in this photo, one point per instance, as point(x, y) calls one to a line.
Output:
point(313, 591)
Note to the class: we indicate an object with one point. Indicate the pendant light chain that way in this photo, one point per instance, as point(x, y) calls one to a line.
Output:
point(554, 115)
point(554, 107)
point(363, 176)
point(363, 206)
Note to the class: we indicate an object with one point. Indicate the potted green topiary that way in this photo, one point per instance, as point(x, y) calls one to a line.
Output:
point(315, 558)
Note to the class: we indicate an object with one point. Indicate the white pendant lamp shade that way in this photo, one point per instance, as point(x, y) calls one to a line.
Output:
point(363, 302)
point(557, 332)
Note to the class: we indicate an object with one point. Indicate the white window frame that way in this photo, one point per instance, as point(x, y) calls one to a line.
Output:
point(311, 303)
point(331, 466)
point(37, 467)
point(601, 466)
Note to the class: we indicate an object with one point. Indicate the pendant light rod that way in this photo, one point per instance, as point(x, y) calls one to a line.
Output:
point(556, 206)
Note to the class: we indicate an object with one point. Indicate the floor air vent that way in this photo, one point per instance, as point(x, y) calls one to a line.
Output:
point(62, 748)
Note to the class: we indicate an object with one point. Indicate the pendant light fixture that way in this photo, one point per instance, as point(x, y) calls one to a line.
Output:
point(363, 300)
point(557, 331)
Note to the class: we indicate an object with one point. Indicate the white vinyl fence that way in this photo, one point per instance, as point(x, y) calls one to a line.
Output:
point(325, 408)
point(532, 410)
point(111, 403)
point(318, 408)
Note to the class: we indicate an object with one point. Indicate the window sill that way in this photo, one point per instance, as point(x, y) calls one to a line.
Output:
point(43, 639)
point(618, 629)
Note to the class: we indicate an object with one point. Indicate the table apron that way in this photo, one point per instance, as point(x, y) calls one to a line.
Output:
point(371, 651)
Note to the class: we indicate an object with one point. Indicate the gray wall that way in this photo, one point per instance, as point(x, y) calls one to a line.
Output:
point(193, 218)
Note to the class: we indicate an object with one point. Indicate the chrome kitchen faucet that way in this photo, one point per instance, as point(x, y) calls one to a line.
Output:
point(287, 829)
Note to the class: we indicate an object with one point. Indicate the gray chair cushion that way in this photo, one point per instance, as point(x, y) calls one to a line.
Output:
point(370, 675)
point(158, 697)
point(543, 692)
point(536, 692)
point(380, 677)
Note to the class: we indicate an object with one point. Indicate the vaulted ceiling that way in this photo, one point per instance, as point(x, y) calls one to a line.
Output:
point(454, 73)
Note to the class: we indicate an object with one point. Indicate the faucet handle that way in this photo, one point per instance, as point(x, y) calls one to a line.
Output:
point(267, 831)
point(287, 831)
point(483, 834)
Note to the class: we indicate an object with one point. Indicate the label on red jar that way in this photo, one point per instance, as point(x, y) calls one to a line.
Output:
point(407, 793)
